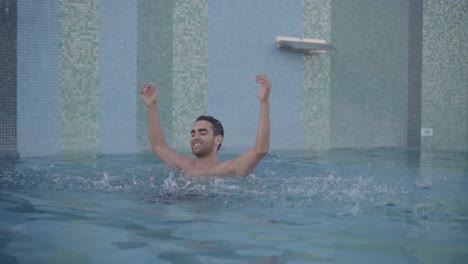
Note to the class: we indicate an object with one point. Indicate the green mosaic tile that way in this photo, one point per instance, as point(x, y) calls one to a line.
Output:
point(369, 74)
point(172, 54)
point(189, 67)
point(315, 112)
point(78, 85)
point(154, 64)
point(445, 75)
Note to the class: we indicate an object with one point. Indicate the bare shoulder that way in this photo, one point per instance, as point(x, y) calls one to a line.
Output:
point(243, 164)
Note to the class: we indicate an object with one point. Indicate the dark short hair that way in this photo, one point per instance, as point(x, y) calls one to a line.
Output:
point(215, 124)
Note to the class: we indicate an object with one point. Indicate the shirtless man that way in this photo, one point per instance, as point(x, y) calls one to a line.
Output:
point(206, 138)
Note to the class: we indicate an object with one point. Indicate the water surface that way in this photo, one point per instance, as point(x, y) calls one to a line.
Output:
point(341, 206)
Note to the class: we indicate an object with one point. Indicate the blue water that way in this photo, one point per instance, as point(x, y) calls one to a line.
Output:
point(341, 206)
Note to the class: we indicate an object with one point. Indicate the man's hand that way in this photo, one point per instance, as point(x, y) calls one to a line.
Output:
point(265, 86)
point(149, 94)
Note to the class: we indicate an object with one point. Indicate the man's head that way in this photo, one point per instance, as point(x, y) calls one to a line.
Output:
point(207, 131)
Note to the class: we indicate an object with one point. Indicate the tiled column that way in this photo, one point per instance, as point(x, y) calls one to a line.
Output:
point(414, 74)
point(369, 74)
point(78, 85)
point(190, 66)
point(445, 75)
point(315, 113)
point(172, 55)
point(8, 143)
point(154, 64)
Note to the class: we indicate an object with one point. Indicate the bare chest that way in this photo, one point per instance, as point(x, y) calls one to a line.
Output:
point(191, 169)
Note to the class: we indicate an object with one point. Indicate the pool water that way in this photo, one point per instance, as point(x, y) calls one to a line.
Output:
point(340, 206)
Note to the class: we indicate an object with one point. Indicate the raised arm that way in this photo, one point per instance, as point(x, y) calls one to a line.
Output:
point(246, 162)
point(262, 142)
point(149, 94)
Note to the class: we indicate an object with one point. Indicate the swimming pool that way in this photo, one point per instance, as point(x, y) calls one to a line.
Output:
point(338, 206)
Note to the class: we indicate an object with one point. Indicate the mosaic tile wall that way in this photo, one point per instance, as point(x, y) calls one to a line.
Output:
point(8, 98)
point(154, 64)
point(117, 76)
point(80, 66)
point(315, 112)
point(190, 21)
point(369, 73)
point(79, 80)
point(172, 55)
point(445, 75)
point(38, 78)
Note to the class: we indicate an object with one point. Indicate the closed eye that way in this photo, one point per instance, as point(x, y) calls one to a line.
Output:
point(202, 131)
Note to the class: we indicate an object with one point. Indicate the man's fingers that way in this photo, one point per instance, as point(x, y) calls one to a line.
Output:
point(261, 78)
point(147, 87)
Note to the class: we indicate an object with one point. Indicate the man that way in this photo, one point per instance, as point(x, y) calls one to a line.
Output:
point(206, 138)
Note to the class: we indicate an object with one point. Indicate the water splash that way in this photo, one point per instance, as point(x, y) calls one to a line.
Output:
point(277, 182)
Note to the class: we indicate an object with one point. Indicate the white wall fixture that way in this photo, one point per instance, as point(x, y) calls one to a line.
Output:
point(306, 45)
point(426, 132)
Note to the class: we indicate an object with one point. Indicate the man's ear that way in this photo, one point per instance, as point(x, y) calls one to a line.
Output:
point(219, 139)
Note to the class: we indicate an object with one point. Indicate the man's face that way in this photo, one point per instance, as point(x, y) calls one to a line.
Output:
point(203, 139)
